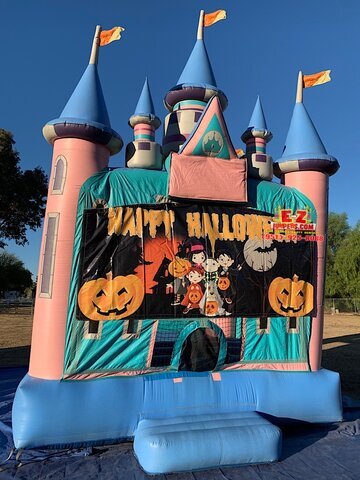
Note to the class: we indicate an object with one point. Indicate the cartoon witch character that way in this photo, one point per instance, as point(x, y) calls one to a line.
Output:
point(194, 292)
point(197, 254)
point(178, 268)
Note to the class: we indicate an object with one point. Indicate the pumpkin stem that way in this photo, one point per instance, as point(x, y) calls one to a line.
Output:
point(295, 278)
point(109, 275)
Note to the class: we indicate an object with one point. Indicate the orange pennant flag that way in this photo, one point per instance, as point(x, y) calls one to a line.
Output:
point(316, 79)
point(108, 36)
point(211, 18)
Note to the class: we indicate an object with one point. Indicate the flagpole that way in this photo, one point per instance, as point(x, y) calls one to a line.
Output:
point(200, 31)
point(95, 47)
point(299, 90)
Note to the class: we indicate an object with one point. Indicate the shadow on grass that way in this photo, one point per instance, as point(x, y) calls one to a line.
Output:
point(15, 356)
point(344, 357)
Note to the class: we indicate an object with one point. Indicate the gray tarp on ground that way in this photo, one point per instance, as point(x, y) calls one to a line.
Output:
point(309, 452)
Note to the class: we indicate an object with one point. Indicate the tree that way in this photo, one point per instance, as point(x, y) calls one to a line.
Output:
point(22, 194)
point(347, 264)
point(338, 229)
point(13, 274)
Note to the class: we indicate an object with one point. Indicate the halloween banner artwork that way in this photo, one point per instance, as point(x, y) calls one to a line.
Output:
point(166, 261)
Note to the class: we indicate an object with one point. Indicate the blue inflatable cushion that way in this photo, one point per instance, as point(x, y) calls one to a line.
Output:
point(197, 442)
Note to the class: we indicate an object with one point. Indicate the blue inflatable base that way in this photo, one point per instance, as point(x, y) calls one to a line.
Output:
point(199, 442)
point(48, 413)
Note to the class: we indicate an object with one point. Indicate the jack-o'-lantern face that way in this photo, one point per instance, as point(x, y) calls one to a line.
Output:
point(291, 297)
point(195, 296)
point(211, 308)
point(111, 298)
point(223, 283)
point(179, 267)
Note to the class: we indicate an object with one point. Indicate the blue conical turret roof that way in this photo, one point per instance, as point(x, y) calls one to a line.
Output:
point(87, 105)
point(85, 115)
point(197, 81)
point(303, 141)
point(145, 104)
point(257, 125)
point(257, 120)
point(144, 111)
point(304, 150)
point(198, 70)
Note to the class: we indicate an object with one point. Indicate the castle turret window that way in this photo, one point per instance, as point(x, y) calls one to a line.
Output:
point(197, 115)
point(144, 146)
point(48, 260)
point(59, 175)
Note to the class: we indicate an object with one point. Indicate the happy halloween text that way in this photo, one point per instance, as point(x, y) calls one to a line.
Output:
point(213, 226)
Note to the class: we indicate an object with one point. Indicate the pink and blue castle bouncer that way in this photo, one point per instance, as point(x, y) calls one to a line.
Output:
point(179, 299)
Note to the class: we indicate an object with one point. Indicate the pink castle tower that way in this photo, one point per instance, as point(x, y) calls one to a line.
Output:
point(82, 141)
point(306, 165)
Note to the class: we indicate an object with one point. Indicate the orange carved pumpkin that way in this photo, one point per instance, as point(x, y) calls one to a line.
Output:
point(195, 296)
point(223, 283)
point(211, 308)
point(179, 267)
point(111, 298)
point(291, 297)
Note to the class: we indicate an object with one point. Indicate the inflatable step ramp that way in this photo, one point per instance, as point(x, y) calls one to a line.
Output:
point(198, 442)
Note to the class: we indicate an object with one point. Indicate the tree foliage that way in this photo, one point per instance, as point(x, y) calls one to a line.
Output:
point(347, 264)
point(338, 228)
point(13, 274)
point(343, 258)
point(22, 194)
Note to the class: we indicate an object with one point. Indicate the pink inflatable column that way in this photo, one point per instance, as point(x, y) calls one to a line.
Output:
point(82, 140)
point(306, 166)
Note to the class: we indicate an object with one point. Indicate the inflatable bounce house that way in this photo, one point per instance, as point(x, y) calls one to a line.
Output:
point(180, 298)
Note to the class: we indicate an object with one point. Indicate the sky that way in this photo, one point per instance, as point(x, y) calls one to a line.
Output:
point(257, 50)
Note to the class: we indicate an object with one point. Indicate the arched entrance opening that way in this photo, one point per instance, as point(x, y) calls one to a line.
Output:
point(200, 351)
point(200, 347)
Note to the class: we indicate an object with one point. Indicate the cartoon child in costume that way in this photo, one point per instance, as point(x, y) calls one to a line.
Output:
point(211, 303)
point(178, 268)
point(197, 254)
point(226, 275)
point(194, 292)
point(210, 265)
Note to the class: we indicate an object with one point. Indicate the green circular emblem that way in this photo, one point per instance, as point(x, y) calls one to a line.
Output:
point(212, 143)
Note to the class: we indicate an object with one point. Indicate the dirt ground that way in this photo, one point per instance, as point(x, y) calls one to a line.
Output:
point(341, 346)
point(341, 350)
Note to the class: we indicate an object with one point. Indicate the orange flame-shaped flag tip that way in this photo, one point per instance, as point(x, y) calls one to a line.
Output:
point(239, 152)
point(211, 18)
point(108, 36)
point(316, 78)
